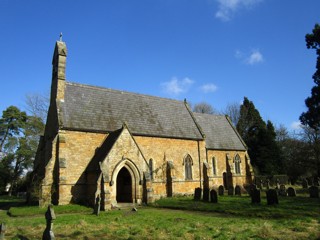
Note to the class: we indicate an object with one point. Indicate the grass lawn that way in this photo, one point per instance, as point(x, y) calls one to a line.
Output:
point(173, 218)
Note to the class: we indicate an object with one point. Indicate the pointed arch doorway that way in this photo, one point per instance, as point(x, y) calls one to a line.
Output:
point(124, 186)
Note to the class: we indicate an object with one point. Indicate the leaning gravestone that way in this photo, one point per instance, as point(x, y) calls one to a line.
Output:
point(291, 192)
point(50, 216)
point(2, 231)
point(97, 205)
point(255, 196)
point(213, 196)
point(231, 191)
point(314, 192)
point(305, 183)
point(237, 190)
point(272, 197)
point(221, 190)
point(282, 190)
point(197, 194)
point(206, 192)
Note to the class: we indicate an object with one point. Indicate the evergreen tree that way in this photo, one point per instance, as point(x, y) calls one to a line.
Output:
point(311, 118)
point(260, 138)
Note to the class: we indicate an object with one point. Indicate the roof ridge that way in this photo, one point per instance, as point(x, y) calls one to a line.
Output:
point(120, 91)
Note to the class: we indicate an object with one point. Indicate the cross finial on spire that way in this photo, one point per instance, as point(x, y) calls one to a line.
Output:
point(61, 37)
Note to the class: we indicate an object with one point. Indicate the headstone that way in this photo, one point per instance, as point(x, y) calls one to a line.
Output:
point(268, 184)
point(237, 190)
point(282, 191)
point(221, 190)
point(50, 216)
point(291, 192)
point(314, 192)
point(272, 197)
point(206, 192)
point(305, 183)
point(197, 194)
point(252, 188)
point(255, 196)
point(2, 231)
point(97, 205)
point(214, 196)
point(231, 191)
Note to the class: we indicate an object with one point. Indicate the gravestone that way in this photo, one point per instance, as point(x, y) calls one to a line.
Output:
point(221, 190)
point(304, 183)
point(237, 190)
point(282, 191)
point(255, 196)
point(197, 194)
point(231, 191)
point(206, 192)
point(97, 205)
point(291, 192)
point(214, 196)
point(272, 197)
point(50, 216)
point(252, 188)
point(314, 192)
point(2, 231)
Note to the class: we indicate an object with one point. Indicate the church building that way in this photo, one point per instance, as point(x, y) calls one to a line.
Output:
point(118, 146)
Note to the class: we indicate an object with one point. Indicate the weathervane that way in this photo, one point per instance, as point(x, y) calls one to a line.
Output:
point(61, 37)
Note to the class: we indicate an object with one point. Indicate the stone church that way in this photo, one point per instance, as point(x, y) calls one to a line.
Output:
point(119, 146)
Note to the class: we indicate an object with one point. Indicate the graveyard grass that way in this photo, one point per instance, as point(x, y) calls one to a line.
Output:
point(233, 217)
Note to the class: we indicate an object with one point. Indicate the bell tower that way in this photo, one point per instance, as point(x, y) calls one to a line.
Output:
point(59, 70)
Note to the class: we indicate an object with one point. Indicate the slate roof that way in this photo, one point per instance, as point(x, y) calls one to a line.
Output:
point(219, 132)
point(100, 109)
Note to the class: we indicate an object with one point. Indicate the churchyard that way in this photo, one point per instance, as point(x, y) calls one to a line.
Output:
point(232, 217)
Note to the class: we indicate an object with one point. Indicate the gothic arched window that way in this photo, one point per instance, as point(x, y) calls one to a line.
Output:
point(188, 167)
point(237, 162)
point(214, 166)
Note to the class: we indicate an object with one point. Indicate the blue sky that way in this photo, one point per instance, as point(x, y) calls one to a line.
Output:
point(217, 51)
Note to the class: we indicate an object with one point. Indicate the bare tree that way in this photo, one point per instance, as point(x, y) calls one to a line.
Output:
point(233, 111)
point(204, 107)
point(37, 105)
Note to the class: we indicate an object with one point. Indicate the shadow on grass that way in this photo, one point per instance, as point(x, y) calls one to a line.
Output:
point(6, 202)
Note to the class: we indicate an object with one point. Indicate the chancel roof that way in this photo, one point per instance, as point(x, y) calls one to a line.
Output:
point(100, 109)
point(219, 132)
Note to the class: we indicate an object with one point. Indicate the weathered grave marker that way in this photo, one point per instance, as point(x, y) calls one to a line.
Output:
point(291, 192)
point(272, 197)
point(206, 192)
point(231, 191)
point(221, 190)
point(50, 216)
point(282, 190)
point(314, 192)
point(214, 196)
point(97, 205)
point(2, 231)
point(255, 196)
point(197, 194)
point(237, 190)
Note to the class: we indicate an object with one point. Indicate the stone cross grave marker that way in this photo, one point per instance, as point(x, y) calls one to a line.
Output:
point(2, 231)
point(50, 217)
